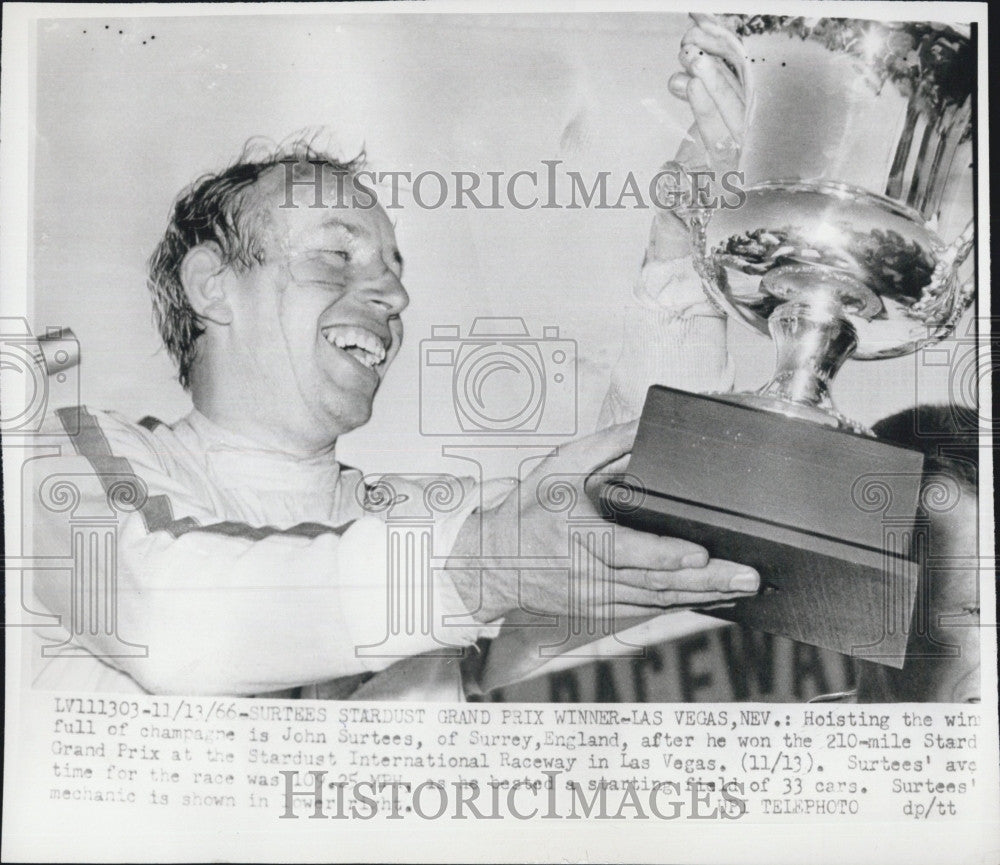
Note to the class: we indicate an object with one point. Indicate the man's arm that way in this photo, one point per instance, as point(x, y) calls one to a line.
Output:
point(672, 334)
point(527, 558)
point(589, 578)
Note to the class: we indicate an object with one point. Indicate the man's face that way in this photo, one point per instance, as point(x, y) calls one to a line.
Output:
point(317, 325)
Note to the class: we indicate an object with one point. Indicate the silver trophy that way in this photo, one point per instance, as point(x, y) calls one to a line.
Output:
point(850, 170)
point(852, 167)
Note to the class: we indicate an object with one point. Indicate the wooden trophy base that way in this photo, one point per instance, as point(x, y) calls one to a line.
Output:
point(825, 516)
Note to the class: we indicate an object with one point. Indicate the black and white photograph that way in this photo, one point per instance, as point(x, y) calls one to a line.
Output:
point(433, 413)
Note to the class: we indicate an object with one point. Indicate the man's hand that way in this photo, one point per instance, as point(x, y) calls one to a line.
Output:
point(712, 85)
point(636, 575)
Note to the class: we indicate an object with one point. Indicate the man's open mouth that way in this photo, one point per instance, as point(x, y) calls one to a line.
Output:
point(362, 345)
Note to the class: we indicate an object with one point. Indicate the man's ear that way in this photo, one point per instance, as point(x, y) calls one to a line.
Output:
point(202, 274)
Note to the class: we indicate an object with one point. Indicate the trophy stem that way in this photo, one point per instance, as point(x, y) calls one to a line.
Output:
point(813, 338)
point(812, 341)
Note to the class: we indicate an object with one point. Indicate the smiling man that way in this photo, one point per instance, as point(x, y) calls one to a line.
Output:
point(245, 559)
point(290, 299)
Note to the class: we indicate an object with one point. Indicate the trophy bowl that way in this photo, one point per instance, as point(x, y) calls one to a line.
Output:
point(852, 130)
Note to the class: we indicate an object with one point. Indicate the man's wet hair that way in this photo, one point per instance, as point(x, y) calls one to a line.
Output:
point(222, 209)
point(949, 443)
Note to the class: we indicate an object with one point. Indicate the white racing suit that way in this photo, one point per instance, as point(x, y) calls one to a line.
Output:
point(193, 561)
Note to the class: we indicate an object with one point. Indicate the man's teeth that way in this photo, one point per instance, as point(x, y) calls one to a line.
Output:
point(363, 346)
point(359, 354)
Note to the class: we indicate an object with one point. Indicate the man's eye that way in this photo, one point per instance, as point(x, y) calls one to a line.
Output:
point(323, 283)
point(344, 254)
point(327, 270)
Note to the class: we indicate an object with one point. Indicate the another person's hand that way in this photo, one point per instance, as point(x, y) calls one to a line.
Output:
point(673, 334)
point(638, 575)
point(712, 84)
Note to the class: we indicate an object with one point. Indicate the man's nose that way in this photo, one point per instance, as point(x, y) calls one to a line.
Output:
point(387, 293)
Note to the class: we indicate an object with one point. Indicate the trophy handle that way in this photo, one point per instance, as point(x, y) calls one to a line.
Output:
point(709, 271)
point(946, 299)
